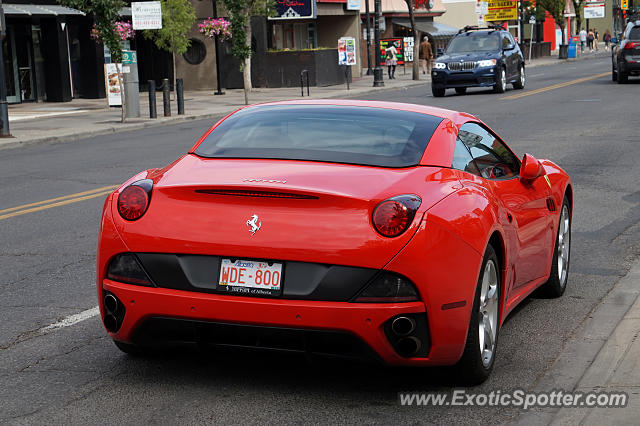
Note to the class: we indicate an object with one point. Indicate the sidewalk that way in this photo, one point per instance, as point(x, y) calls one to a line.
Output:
point(33, 123)
point(603, 356)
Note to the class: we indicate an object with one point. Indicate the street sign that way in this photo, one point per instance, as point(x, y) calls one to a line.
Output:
point(146, 15)
point(532, 19)
point(594, 10)
point(129, 57)
point(353, 4)
point(347, 51)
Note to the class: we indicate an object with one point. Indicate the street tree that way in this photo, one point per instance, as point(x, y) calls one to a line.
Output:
point(412, 5)
point(105, 13)
point(178, 17)
point(240, 13)
point(556, 9)
point(578, 6)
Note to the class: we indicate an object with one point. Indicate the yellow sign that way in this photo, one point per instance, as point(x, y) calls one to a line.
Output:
point(624, 4)
point(502, 10)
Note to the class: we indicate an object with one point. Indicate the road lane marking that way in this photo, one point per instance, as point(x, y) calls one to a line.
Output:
point(69, 199)
point(71, 320)
point(555, 86)
point(51, 200)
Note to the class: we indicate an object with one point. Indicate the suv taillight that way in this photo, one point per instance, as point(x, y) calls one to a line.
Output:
point(134, 200)
point(631, 45)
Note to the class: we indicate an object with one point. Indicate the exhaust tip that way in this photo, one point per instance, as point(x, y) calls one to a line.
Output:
point(402, 326)
point(111, 303)
point(111, 323)
point(408, 346)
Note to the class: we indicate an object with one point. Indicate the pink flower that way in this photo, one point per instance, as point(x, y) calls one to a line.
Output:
point(212, 27)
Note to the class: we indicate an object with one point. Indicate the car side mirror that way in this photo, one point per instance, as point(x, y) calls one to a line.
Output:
point(510, 47)
point(530, 169)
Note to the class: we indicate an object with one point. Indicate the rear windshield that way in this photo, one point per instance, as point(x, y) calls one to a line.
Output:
point(336, 134)
point(634, 34)
point(475, 42)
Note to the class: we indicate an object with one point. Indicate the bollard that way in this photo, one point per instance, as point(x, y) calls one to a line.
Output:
point(180, 96)
point(153, 113)
point(302, 74)
point(165, 97)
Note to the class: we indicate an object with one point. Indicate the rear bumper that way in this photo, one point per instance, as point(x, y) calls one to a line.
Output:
point(629, 67)
point(484, 77)
point(364, 321)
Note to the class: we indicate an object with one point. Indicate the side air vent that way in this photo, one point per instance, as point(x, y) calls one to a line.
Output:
point(551, 204)
point(259, 194)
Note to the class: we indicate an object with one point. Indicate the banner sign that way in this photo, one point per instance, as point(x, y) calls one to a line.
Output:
point(295, 9)
point(502, 10)
point(146, 15)
point(388, 42)
point(347, 51)
point(353, 4)
point(408, 49)
point(593, 10)
point(112, 84)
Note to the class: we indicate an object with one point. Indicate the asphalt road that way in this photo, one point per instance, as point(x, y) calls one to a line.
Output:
point(570, 113)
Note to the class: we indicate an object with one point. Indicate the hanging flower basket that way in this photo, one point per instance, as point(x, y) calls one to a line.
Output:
point(215, 27)
point(123, 29)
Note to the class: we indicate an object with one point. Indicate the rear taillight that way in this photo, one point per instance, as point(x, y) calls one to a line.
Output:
point(394, 215)
point(133, 201)
point(631, 44)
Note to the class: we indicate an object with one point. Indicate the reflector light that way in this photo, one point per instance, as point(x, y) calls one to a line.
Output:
point(393, 216)
point(126, 269)
point(133, 201)
point(266, 194)
point(389, 288)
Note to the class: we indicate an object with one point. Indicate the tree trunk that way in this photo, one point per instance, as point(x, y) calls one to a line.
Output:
point(122, 100)
point(416, 44)
point(246, 67)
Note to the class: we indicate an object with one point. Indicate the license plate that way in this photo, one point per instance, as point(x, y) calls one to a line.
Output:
point(250, 277)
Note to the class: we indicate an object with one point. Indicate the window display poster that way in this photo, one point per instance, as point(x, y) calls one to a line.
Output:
point(347, 51)
point(112, 84)
point(387, 42)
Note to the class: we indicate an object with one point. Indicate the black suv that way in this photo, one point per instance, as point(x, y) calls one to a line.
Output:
point(625, 58)
point(479, 57)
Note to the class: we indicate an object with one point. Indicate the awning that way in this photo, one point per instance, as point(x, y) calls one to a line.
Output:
point(435, 29)
point(37, 9)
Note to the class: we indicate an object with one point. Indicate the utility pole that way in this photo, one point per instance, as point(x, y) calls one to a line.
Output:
point(368, 16)
point(216, 43)
point(4, 108)
point(377, 71)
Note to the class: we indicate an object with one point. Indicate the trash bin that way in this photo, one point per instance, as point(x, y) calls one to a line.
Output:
point(572, 49)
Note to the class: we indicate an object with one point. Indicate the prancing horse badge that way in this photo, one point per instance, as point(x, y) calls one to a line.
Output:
point(253, 224)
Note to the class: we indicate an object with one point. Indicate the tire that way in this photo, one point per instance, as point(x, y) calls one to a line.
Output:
point(461, 90)
point(129, 349)
point(476, 364)
point(623, 77)
point(437, 92)
point(501, 83)
point(614, 74)
point(557, 283)
point(522, 79)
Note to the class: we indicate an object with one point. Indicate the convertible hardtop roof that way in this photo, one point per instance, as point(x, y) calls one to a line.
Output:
point(455, 116)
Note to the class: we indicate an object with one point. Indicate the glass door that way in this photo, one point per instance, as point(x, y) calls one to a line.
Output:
point(12, 81)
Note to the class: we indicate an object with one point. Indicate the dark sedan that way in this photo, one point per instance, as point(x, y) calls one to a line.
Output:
point(625, 57)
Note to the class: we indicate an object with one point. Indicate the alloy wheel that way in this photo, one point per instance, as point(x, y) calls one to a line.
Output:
point(564, 245)
point(488, 313)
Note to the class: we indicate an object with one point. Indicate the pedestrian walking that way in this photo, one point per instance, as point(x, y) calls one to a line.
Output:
point(583, 39)
point(426, 55)
point(391, 61)
point(606, 37)
point(595, 38)
point(590, 39)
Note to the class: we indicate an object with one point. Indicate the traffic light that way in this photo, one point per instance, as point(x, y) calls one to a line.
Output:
point(624, 4)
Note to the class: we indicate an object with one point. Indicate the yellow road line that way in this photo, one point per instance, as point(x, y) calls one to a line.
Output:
point(555, 86)
point(57, 204)
point(51, 200)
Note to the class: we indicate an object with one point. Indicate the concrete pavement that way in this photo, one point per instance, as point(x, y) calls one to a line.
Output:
point(32, 123)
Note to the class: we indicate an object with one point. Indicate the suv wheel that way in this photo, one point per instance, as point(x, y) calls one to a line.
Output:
point(614, 74)
point(437, 92)
point(521, 79)
point(501, 82)
point(622, 77)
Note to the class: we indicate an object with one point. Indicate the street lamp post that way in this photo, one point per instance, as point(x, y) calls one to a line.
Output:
point(4, 109)
point(377, 71)
point(368, 15)
point(217, 48)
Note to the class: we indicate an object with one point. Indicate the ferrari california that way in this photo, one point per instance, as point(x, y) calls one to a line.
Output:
point(395, 232)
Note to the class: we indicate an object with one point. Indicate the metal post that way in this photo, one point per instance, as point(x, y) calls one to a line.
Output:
point(4, 108)
point(531, 42)
point(216, 43)
point(180, 95)
point(153, 113)
point(377, 71)
point(165, 97)
point(521, 31)
point(368, 16)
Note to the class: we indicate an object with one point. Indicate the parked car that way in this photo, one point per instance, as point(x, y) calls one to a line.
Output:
point(625, 56)
point(479, 57)
point(394, 232)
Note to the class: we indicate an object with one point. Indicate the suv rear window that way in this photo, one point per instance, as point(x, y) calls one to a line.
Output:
point(634, 34)
point(475, 42)
point(336, 134)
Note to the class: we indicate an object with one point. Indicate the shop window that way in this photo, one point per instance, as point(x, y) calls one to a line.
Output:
point(293, 36)
point(196, 52)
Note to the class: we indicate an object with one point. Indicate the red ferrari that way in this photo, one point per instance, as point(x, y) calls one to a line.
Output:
point(397, 232)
